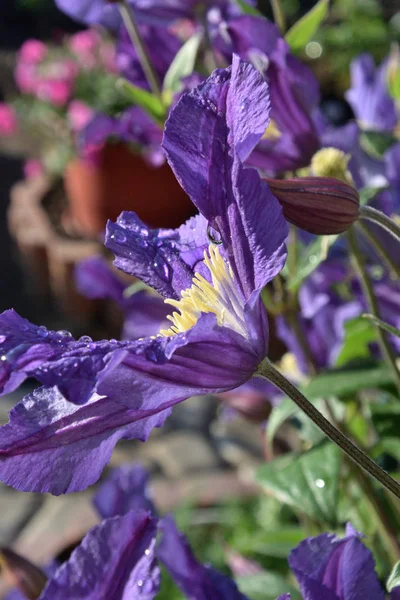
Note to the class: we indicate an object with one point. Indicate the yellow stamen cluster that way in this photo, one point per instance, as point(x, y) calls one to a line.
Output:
point(272, 132)
point(331, 162)
point(220, 297)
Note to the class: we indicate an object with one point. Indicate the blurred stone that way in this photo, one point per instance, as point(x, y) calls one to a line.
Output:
point(239, 441)
point(180, 453)
point(196, 413)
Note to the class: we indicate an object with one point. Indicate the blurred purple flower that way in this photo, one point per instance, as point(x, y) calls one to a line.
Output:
point(369, 96)
point(217, 339)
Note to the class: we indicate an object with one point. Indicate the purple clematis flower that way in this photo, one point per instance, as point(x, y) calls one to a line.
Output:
point(219, 332)
point(330, 568)
point(369, 96)
point(291, 138)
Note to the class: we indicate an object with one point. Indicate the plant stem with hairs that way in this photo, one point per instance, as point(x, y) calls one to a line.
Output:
point(129, 20)
point(269, 372)
point(387, 260)
point(373, 307)
point(378, 217)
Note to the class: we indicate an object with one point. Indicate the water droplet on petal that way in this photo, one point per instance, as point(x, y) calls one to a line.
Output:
point(214, 235)
point(85, 339)
point(64, 334)
point(3, 358)
point(140, 582)
point(147, 552)
point(2, 338)
point(161, 268)
point(313, 259)
point(118, 236)
point(320, 483)
point(42, 331)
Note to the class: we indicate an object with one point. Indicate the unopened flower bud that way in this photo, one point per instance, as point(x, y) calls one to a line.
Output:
point(22, 574)
point(331, 162)
point(320, 205)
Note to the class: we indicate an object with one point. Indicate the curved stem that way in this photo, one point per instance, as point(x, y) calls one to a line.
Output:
point(373, 307)
point(387, 260)
point(129, 20)
point(268, 371)
point(279, 15)
point(378, 217)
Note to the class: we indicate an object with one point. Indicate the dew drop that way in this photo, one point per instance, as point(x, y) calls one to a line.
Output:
point(64, 334)
point(42, 331)
point(85, 339)
point(147, 552)
point(118, 236)
point(313, 259)
point(140, 583)
point(214, 235)
point(161, 268)
point(2, 338)
point(320, 483)
point(3, 358)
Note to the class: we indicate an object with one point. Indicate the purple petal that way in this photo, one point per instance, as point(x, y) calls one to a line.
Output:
point(91, 12)
point(53, 358)
point(165, 259)
point(126, 489)
point(197, 581)
point(95, 279)
point(115, 560)
point(51, 445)
point(343, 567)
point(368, 95)
point(206, 134)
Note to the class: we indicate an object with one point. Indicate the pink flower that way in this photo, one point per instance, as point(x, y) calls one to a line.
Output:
point(84, 42)
point(55, 91)
point(33, 168)
point(26, 78)
point(79, 115)
point(8, 120)
point(32, 51)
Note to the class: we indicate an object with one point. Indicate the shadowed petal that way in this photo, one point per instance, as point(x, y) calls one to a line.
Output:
point(124, 490)
point(115, 560)
point(197, 581)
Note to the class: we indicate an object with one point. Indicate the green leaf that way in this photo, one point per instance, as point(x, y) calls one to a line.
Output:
point(266, 586)
point(376, 143)
point(302, 32)
point(382, 324)
point(394, 578)
point(368, 193)
point(312, 257)
point(348, 381)
point(281, 413)
point(308, 482)
point(358, 334)
point(146, 100)
point(182, 65)
point(247, 9)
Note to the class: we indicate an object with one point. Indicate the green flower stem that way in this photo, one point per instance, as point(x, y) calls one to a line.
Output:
point(129, 20)
point(373, 307)
point(279, 15)
point(269, 372)
point(378, 217)
point(387, 260)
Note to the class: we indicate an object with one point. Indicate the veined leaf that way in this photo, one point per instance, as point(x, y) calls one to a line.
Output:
point(146, 100)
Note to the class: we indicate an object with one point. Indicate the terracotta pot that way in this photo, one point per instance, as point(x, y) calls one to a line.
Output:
point(121, 181)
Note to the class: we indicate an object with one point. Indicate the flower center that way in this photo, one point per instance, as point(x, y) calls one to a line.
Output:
point(220, 297)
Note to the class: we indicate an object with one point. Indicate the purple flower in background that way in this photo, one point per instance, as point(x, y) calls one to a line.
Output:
point(330, 568)
point(291, 138)
point(144, 313)
point(219, 331)
point(369, 96)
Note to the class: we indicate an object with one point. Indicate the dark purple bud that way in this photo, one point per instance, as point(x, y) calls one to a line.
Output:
point(22, 574)
point(320, 205)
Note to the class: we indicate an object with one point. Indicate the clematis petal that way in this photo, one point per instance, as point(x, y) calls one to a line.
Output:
point(369, 96)
point(208, 133)
point(165, 259)
point(51, 445)
point(95, 279)
point(197, 581)
point(330, 568)
point(116, 559)
point(124, 490)
point(53, 358)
